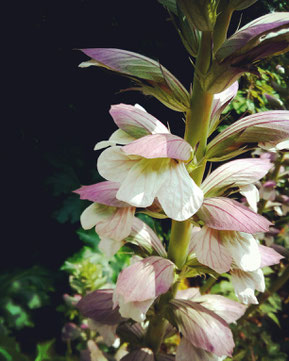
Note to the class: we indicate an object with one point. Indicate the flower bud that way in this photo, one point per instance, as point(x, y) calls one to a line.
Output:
point(280, 69)
point(274, 102)
point(201, 14)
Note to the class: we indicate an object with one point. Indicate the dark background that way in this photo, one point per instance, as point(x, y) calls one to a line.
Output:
point(57, 112)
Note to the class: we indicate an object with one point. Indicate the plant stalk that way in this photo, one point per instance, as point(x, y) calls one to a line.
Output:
point(196, 132)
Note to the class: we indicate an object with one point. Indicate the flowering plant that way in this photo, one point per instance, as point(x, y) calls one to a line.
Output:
point(147, 169)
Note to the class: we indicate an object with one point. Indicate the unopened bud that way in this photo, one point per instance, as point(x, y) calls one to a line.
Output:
point(274, 102)
point(201, 14)
point(280, 69)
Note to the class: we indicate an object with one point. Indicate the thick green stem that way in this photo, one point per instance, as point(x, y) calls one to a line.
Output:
point(198, 117)
point(179, 242)
point(155, 333)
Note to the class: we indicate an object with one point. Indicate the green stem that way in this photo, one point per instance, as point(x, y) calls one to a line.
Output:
point(198, 117)
point(155, 333)
point(179, 242)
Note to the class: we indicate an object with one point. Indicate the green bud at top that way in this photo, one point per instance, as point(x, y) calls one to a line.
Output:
point(241, 4)
point(201, 14)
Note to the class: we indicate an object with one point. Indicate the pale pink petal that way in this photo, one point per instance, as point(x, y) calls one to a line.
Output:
point(207, 245)
point(155, 272)
point(109, 246)
point(98, 305)
point(188, 293)
point(95, 354)
point(229, 310)
point(109, 222)
point(102, 192)
point(142, 181)
point(271, 126)
point(237, 173)
point(135, 121)
point(243, 248)
point(113, 164)
point(108, 332)
point(186, 351)
point(143, 354)
point(267, 191)
point(257, 29)
point(245, 284)
point(118, 225)
point(160, 146)
point(251, 193)
point(227, 214)
point(135, 310)
point(203, 328)
point(117, 137)
point(179, 196)
point(220, 101)
point(142, 235)
point(269, 256)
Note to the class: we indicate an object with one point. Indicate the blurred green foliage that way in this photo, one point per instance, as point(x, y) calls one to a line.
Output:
point(21, 292)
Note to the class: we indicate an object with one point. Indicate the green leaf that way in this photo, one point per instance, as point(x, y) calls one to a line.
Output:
point(44, 351)
point(10, 350)
point(89, 237)
point(171, 5)
point(274, 318)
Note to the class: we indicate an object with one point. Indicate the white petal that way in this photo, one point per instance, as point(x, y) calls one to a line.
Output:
point(108, 332)
point(245, 284)
point(243, 248)
point(109, 246)
point(94, 213)
point(113, 164)
point(138, 106)
point(142, 182)
point(117, 137)
point(283, 145)
point(179, 196)
point(251, 193)
point(135, 310)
